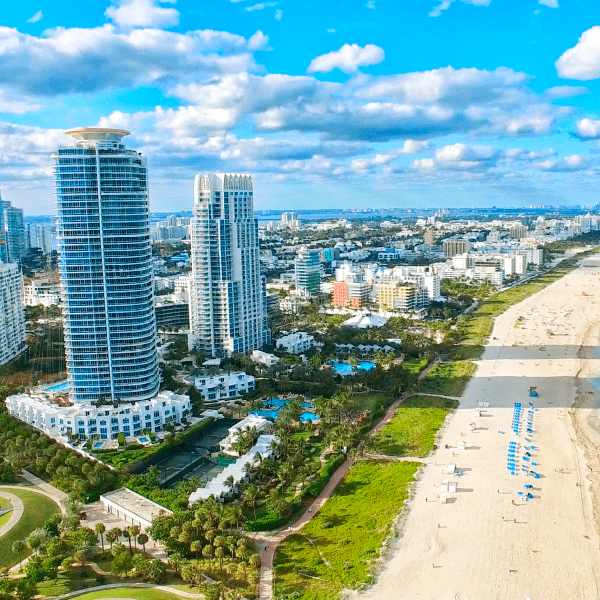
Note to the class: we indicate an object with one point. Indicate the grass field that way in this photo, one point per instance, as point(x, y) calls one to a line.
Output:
point(134, 593)
point(448, 379)
point(338, 547)
point(5, 518)
point(38, 509)
point(414, 366)
point(412, 430)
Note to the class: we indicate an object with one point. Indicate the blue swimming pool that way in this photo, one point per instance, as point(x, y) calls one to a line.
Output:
point(306, 405)
point(270, 414)
point(308, 416)
point(62, 386)
point(342, 367)
point(275, 402)
point(143, 440)
point(97, 445)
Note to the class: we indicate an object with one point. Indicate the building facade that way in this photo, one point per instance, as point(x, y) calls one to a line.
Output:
point(12, 233)
point(105, 422)
point(101, 192)
point(227, 296)
point(296, 343)
point(224, 386)
point(12, 316)
point(308, 272)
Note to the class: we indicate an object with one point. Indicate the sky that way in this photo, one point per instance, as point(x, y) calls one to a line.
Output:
point(345, 104)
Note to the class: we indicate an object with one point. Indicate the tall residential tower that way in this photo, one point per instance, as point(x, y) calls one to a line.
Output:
point(227, 293)
point(103, 232)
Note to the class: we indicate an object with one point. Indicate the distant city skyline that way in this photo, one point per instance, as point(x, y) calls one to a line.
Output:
point(443, 102)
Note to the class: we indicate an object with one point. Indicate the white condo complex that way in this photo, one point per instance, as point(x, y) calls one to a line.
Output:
point(101, 191)
point(227, 294)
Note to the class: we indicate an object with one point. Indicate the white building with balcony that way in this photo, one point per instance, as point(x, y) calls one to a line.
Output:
point(41, 292)
point(224, 386)
point(88, 421)
point(296, 343)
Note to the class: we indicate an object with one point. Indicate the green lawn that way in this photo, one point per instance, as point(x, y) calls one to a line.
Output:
point(135, 593)
point(4, 503)
point(338, 547)
point(5, 518)
point(38, 509)
point(414, 366)
point(448, 379)
point(412, 430)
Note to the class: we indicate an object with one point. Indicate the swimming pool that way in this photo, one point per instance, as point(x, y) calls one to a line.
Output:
point(308, 416)
point(61, 386)
point(270, 414)
point(98, 445)
point(275, 402)
point(143, 440)
point(342, 367)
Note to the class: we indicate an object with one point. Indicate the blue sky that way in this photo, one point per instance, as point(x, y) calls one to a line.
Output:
point(371, 103)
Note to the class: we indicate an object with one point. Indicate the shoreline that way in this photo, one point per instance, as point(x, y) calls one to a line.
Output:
point(557, 353)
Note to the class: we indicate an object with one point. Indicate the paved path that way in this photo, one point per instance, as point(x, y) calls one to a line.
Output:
point(112, 586)
point(268, 542)
point(49, 490)
point(18, 508)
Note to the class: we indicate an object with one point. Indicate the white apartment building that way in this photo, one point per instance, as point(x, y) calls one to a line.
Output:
point(264, 358)
point(227, 294)
point(88, 421)
point(224, 386)
point(40, 292)
point(12, 321)
point(255, 422)
point(296, 343)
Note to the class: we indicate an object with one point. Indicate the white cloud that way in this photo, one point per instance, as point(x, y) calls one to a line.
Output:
point(383, 158)
point(370, 4)
point(17, 104)
point(588, 129)
point(59, 62)
point(549, 3)
point(566, 91)
point(423, 164)
point(278, 15)
point(445, 5)
point(260, 6)
point(35, 18)
point(583, 60)
point(461, 152)
point(330, 30)
point(142, 13)
point(348, 59)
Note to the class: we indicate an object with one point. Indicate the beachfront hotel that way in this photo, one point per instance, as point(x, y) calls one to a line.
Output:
point(227, 294)
point(105, 265)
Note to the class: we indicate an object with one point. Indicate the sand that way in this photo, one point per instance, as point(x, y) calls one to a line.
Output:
point(487, 542)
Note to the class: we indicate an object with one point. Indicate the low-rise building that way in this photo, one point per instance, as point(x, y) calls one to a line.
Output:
point(255, 422)
point(41, 292)
point(131, 507)
point(296, 343)
point(264, 358)
point(43, 411)
point(223, 386)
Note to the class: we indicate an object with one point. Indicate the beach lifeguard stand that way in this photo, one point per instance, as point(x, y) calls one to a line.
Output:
point(533, 393)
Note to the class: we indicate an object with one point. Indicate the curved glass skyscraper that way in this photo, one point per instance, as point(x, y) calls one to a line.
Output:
point(101, 191)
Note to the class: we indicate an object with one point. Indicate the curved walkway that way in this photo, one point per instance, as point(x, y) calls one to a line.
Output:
point(269, 543)
point(17, 513)
point(113, 586)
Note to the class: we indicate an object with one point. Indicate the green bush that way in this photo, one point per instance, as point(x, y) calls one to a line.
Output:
point(121, 439)
point(325, 473)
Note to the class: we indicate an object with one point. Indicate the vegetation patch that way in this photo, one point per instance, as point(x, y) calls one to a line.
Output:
point(412, 430)
point(127, 592)
point(448, 379)
point(37, 510)
point(339, 546)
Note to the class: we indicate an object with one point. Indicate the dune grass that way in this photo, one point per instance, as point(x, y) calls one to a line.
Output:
point(338, 547)
point(412, 430)
point(447, 379)
point(37, 510)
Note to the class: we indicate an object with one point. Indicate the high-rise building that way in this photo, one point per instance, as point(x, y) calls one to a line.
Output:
point(101, 191)
point(227, 293)
point(12, 316)
point(308, 272)
point(12, 233)
point(40, 236)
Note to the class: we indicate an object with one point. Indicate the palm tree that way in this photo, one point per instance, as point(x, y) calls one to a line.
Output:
point(175, 561)
point(208, 552)
point(112, 536)
point(196, 547)
point(250, 495)
point(143, 540)
point(18, 547)
point(99, 529)
point(220, 553)
point(134, 531)
point(127, 535)
point(230, 483)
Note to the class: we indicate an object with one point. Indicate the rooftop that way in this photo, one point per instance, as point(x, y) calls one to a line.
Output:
point(136, 503)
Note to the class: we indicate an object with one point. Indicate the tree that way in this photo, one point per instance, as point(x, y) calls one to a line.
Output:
point(208, 552)
point(157, 571)
point(143, 540)
point(250, 495)
point(80, 557)
point(175, 561)
point(121, 564)
point(196, 547)
point(141, 565)
point(220, 553)
point(99, 529)
point(112, 536)
point(18, 548)
point(134, 531)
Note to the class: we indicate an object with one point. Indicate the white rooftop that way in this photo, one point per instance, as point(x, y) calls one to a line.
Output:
point(365, 321)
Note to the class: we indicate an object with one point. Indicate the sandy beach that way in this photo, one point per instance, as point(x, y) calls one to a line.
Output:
point(488, 542)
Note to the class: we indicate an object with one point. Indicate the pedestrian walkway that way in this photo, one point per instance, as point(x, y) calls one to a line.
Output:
point(17, 511)
point(268, 543)
point(50, 490)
